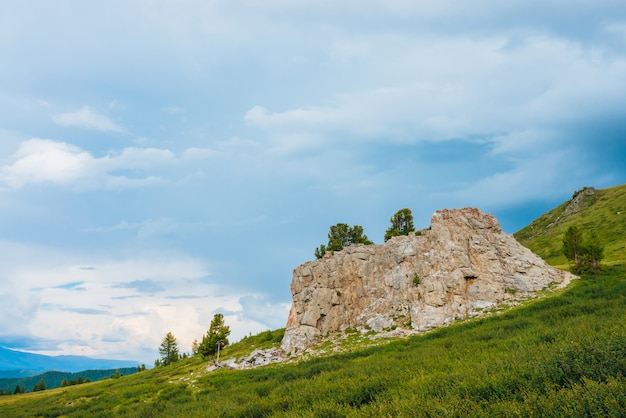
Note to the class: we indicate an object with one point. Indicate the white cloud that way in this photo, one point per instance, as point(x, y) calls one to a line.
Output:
point(117, 308)
point(44, 161)
point(86, 117)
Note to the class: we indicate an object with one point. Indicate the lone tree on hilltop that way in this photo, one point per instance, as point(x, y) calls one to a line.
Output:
point(215, 338)
point(401, 224)
point(168, 350)
point(340, 236)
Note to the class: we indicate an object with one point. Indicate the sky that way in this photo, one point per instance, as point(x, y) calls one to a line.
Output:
point(162, 161)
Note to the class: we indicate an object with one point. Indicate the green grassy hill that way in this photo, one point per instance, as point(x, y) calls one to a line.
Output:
point(603, 211)
point(563, 354)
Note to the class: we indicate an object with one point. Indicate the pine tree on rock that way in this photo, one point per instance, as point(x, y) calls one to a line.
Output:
point(340, 236)
point(401, 224)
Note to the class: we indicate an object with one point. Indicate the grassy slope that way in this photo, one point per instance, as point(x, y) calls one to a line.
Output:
point(559, 356)
point(605, 212)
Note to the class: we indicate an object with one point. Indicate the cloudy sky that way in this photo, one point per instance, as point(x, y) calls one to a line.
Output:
point(161, 161)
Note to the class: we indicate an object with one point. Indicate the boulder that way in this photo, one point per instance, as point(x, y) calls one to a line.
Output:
point(460, 266)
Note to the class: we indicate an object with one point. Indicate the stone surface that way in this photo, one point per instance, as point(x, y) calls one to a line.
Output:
point(460, 266)
point(255, 359)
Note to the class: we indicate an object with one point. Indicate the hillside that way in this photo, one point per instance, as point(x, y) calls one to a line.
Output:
point(560, 354)
point(603, 210)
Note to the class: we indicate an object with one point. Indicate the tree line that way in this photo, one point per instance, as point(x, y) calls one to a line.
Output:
point(343, 235)
point(55, 379)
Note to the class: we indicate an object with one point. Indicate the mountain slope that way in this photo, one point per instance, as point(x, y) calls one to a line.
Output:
point(603, 210)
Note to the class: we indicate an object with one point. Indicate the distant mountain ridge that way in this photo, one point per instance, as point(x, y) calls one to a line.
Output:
point(21, 364)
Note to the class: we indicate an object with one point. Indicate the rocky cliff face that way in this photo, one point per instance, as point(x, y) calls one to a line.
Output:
point(458, 267)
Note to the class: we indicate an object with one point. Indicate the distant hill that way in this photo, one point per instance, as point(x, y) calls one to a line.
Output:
point(20, 364)
point(603, 210)
point(55, 379)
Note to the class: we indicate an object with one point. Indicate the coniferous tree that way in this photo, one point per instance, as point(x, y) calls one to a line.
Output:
point(216, 336)
point(340, 236)
point(593, 251)
point(320, 251)
point(573, 246)
point(401, 224)
point(584, 252)
point(168, 349)
point(39, 386)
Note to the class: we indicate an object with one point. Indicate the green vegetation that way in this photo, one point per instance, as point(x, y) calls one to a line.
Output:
point(563, 354)
point(343, 235)
point(340, 236)
point(62, 379)
point(215, 339)
point(401, 224)
point(416, 279)
point(603, 212)
point(264, 340)
point(584, 252)
point(41, 385)
point(168, 351)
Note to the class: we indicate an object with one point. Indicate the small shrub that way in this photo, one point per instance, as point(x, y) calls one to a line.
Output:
point(416, 280)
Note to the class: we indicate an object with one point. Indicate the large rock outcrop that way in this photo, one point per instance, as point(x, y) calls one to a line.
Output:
point(458, 267)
